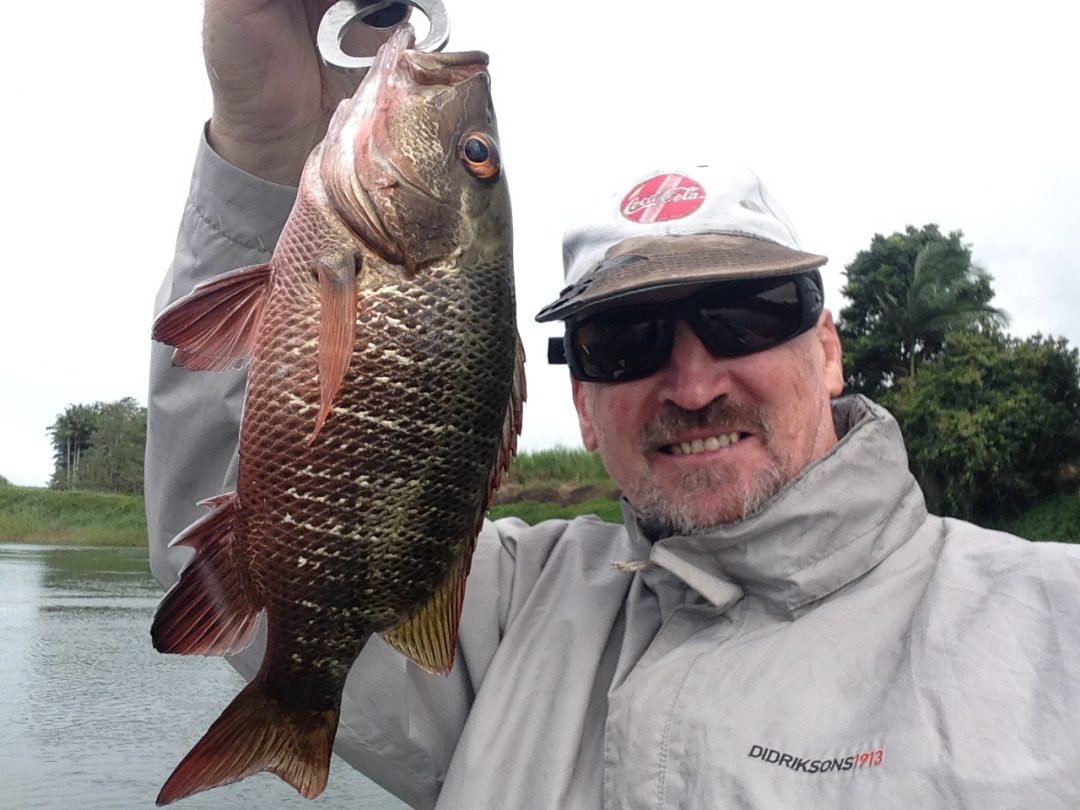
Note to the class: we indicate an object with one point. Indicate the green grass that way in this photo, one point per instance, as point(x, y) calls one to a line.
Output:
point(41, 515)
point(535, 477)
point(63, 517)
point(558, 465)
point(532, 512)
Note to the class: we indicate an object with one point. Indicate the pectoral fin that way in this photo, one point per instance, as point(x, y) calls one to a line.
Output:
point(337, 329)
point(215, 325)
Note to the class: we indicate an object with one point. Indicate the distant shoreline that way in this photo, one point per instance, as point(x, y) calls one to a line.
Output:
point(64, 517)
point(78, 518)
point(67, 517)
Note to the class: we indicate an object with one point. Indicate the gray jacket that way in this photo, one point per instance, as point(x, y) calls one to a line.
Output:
point(843, 648)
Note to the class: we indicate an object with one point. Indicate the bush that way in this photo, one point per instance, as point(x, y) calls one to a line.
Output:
point(1056, 519)
point(991, 424)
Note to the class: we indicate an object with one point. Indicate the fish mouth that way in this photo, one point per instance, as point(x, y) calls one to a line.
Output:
point(451, 69)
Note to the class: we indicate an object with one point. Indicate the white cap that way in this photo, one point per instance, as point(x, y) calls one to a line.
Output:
point(674, 227)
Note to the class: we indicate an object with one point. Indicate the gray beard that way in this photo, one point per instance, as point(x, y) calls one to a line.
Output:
point(662, 518)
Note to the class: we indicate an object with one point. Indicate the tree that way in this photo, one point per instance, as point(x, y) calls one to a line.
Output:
point(114, 462)
point(907, 292)
point(71, 436)
point(99, 446)
point(992, 424)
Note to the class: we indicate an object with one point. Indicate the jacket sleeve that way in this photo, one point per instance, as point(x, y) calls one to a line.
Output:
point(230, 220)
point(399, 725)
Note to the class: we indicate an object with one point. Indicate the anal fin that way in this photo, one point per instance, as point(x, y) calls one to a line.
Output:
point(429, 636)
point(209, 611)
point(511, 423)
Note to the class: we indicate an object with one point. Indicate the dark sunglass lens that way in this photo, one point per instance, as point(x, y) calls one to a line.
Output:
point(741, 323)
point(614, 349)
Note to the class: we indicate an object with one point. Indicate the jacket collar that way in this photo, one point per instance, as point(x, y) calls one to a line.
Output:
point(830, 525)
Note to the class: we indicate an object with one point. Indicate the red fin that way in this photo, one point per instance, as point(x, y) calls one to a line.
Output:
point(208, 612)
point(511, 423)
point(337, 332)
point(255, 734)
point(214, 326)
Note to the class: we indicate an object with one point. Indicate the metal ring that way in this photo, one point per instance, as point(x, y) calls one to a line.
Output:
point(344, 13)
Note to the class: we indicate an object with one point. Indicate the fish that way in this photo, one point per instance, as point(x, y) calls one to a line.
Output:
point(382, 406)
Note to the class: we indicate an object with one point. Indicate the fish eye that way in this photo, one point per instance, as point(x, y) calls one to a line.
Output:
point(480, 155)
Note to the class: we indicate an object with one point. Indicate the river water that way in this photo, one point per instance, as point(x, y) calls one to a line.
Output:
point(91, 716)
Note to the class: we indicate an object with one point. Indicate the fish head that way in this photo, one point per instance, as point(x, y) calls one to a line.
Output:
point(411, 163)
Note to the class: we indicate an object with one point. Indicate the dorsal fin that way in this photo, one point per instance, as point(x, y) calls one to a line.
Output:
point(214, 326)
point(210, 610)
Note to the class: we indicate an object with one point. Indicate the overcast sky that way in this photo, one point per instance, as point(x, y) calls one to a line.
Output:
point(860, 118)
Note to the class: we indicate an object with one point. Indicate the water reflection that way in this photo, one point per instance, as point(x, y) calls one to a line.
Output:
point(90, 714)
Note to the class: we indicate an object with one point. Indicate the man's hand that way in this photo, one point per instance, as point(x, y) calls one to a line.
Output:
point(273, 97)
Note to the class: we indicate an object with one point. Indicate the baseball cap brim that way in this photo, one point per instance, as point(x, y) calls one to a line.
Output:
point(637, 267)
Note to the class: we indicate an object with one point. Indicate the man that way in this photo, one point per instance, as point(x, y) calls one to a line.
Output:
point(778, 624)
point(646, 383)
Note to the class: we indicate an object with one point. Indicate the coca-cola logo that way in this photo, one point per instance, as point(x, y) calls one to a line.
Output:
point(665, 196)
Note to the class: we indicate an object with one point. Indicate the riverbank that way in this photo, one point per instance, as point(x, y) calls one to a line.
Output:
point(59, 517)
point(56, 517)
point(559, 483)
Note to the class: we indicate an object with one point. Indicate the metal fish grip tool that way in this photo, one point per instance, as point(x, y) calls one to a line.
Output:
point(376, 14)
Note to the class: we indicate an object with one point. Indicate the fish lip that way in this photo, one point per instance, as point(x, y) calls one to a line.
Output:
point(452, 68)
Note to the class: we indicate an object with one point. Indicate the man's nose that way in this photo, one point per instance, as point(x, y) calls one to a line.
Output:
point(693, 378)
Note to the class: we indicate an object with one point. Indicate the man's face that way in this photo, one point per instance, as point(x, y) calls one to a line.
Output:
point(706, 440)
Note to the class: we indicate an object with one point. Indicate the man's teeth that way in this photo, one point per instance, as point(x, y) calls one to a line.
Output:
point(701, 445)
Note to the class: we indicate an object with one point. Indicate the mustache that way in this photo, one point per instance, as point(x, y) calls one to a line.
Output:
point(673, 421)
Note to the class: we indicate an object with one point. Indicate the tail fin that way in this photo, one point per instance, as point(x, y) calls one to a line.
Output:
point(255, 734)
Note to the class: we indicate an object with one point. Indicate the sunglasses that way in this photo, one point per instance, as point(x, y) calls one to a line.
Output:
point(732, 319)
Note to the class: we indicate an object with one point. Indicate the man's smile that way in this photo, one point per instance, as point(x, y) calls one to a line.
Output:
point(710, 443)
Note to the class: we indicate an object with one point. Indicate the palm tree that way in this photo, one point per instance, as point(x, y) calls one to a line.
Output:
point(906, 293)
point(947, 293)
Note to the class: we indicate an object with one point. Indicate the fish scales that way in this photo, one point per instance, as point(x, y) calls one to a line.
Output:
point(383, 401)
point(392, 505)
